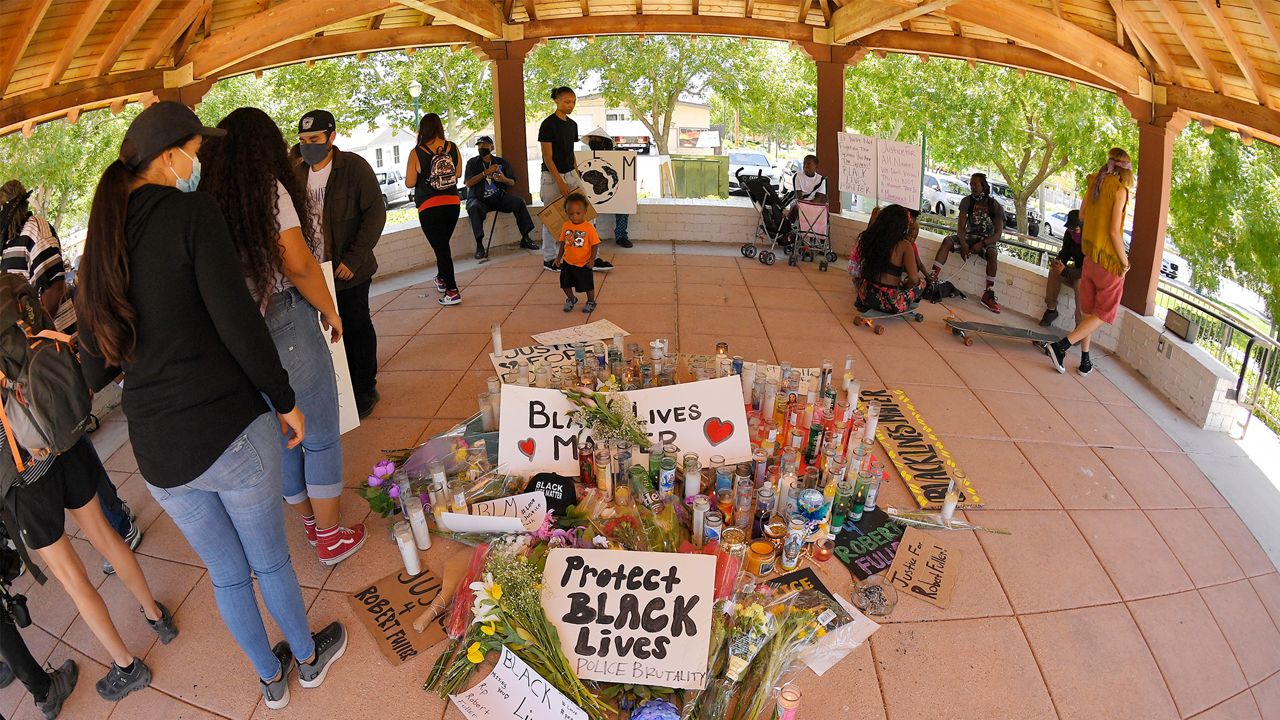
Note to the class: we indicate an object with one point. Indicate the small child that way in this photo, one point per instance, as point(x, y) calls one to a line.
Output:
point(579, 246)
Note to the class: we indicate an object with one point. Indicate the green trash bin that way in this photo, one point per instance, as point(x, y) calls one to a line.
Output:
point(700, 176)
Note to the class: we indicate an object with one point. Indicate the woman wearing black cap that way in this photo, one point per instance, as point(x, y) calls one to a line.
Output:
point(163, 299)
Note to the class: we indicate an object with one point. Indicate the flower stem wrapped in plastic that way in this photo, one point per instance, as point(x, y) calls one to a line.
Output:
point(805, 618)
point(608, 416)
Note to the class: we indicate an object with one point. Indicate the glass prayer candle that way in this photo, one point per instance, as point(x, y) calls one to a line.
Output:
point(872, 491)
point(844, 503)
point(487, 421)
point(655, 463)
point(542, 376)
point(722, 349)
point(784, 371)
point(724, 503)
point(742, 505)
point(495, 335)
point(439, 496)
point(604, 474)
point(790, 462)
point(873, 419)
point(667, 478)
point(823, 549)
point(729, 561)
point(418, 522)
point(736, 366)
point(812, 479)
point(638, 481)
point(622, 465)
point(403, 533)
point(692, 475)
point(522, 372)
point(765, 500)
point(701, 506)
point(949, 502)
point(760, 466)
point(724, 478)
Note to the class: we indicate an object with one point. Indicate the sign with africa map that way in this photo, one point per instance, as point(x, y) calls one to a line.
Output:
point(925, 465)
point(609, 179)
point(536, 434)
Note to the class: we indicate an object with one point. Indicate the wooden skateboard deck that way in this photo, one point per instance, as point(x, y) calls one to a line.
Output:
point(870, 317)
point(962, 328)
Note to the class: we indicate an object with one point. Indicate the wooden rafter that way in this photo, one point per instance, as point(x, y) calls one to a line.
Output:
point(1194, 47)
point(16, 43)
point(507, 5)
point(640, 7)
point(1238, 51)
point(530, 9)
point(331, 46)
point(187, 14)
point(825, 6)
point(702, 26)
point(132, 24)
point(1139, 29)
point(956, 29)
point(748, 12)
point(802, 11)
point(375, 22)
point(483, 18)
point(863, 17)
point(1264, 16)
point(585, 7)
point(89, 16)
point(1043, 30)
point(1057, 7)
point(188, 38)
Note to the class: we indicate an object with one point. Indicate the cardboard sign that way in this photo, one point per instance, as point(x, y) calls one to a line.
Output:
point(529, 508)
point(898, 173)
point(560, 492)
point(925, 465)
point(609, 179)
point(555, 356)
point(553, 215)
point(867, 547)
point(858, 164)
point(598, 330)
point(348, 417)
point(536, 434)
point(632, 617)
point(925, 567)
point(516, 691)
point(388, 608)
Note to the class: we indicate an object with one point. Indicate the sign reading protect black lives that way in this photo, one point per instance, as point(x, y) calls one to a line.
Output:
point(632, 617)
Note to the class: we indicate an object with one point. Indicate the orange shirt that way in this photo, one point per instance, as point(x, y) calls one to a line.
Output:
point(578, 239)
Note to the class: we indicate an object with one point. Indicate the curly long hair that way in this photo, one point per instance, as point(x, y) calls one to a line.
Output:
point(241, 170)
point(876, 243)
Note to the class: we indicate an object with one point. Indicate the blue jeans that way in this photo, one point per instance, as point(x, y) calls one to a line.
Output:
point(314, 468)
point(232, 516)
point(620, 226)
point(113, 507)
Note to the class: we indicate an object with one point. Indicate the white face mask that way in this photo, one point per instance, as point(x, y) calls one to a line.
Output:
point(192, 182)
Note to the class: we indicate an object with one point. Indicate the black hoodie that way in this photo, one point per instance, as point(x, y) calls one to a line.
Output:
point(204, 356)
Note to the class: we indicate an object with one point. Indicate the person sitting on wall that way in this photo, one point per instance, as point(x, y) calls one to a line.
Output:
point(891, 277)
point(1064, 269)
point(978, 231)
point(488, 179)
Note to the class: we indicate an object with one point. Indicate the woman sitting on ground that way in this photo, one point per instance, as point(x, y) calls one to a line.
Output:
point(891, 281)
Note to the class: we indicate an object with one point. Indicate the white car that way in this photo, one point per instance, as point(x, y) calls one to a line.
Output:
point(1056, 223)
point(941, 194)
point(752, 163)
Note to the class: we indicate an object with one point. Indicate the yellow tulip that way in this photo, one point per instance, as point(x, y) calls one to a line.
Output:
point(475, 654)
point(487, 628)
point(496, 593)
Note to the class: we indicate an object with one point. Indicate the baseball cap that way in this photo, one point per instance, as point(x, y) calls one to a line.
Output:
point(484, 140)
point(159, 127)
point(317, 121)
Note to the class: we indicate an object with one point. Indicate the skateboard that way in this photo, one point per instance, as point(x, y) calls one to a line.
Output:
point(870, 317)
point(965, 331)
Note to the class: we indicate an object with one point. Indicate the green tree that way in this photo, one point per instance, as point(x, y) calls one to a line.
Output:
point(455, 85)
point(777, 97)
point(553, 64)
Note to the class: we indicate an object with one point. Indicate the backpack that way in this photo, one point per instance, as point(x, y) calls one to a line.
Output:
point(441, 172)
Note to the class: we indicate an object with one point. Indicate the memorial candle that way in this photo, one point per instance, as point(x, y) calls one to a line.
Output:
point(408, 548)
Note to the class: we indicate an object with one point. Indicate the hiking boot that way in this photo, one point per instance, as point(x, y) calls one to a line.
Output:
point(527, 244)
point(164, 628)
point(341, 544)
point(1056, 356)
point(549, 266)
point(331, 643)
point(440, 286)
point(589, 307)
point(601, 265)
point(989, 299)
point(276, 693)
point(481, 253)
point(118, 683)
point(61, 682)
point(133, 539)
point(1086, 365)
point(453, 297)
point(365, 409)
point(1047, 319)
point(569, 303)
point(625, 243)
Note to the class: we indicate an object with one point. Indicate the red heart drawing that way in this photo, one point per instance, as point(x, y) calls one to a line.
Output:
point(526, 447)
point(717, 430)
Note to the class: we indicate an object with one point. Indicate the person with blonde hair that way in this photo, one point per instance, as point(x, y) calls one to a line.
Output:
point(1105, 258)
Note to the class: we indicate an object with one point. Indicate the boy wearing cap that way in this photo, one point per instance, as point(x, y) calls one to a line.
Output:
point(488, 178)
point(346, 207)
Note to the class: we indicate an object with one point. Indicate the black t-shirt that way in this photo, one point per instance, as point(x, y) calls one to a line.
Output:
point(562, 134)
point(982, 215)
point(437, 172)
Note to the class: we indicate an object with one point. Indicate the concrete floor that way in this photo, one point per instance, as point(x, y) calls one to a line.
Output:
point(1130, 588)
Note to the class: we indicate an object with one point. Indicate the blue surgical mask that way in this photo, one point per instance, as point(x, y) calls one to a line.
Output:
point(191, 183)
point(314, 153)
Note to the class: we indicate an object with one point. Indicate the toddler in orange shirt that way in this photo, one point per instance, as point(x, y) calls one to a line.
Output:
point(578, 247)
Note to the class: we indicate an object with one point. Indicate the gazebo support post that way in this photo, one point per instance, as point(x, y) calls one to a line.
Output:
point(507, 69)
point(1158, 127)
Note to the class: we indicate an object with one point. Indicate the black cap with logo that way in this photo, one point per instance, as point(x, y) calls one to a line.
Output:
point(484, 140)
point(159, 127)
point(317, 121)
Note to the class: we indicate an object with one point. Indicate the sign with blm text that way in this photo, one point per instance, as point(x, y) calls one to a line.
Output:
point(515, 691)
point(640, 618)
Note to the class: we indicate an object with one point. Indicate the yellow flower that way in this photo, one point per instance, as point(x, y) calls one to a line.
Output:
point(488, 628)
point(496, 592)
point(475, 654)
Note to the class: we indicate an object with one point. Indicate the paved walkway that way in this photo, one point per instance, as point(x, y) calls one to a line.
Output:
point(1128, 589)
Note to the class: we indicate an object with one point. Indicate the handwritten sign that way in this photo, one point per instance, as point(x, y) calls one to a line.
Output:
point(857, 164)
point(348, 417)
point(632, 617)
point(609, 179)
point(598, 330)
point(530, 508)
point(898, 172)
point(536, 433)
point(388, 608)
point(867, 547)
point(925, 567)
point(553, 356)
point(925, 465)
point(515, 691)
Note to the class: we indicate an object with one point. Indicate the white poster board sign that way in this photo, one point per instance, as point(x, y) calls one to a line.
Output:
point(598, 330)
point(530, 508)
point(857, 164)
point(348, 417)
point(632, 617)
point(554, 356)
point(536, 434)
point(609, 180)
point(898, 171)
point(515, 691)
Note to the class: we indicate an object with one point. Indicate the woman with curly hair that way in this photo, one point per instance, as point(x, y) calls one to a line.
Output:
point(249, 174)
point(892, 281)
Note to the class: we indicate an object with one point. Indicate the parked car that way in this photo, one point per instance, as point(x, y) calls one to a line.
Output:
point(641, 144)
point(1010, 214)
point(1056, 223)
point(751, 163)
point(941, 194)
point(392, 185)
point(1172, 265)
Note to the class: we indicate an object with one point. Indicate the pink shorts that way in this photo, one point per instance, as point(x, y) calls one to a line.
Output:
point(1098, 292)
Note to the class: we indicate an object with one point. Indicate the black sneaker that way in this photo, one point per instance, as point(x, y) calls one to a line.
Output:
point(331, 643)
point(453, 297)
point(6, 675)
point(480, 251)
point(365, 409)
point(118, 683)
point(1047, 319)
point(569, 303)
point(164, 628)
point(61, 682)
point(527, 244)
point(590, 307)
point(133, 539)
point(549, 266)
point(625, 243)
point(1056, 356)
point(276, 694)
point(601, 265)
point(440, 286)
point(1086, 365)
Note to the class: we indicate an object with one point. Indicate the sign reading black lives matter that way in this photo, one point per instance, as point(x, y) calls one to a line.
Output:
point(640, 618)
point(925, 464)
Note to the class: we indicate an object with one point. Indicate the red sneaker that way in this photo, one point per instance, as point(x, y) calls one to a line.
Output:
point(989, 299)
point(341, 544)
point(311, 532)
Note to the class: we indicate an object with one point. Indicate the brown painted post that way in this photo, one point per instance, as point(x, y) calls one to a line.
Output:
point(1158, 126)
point(507, 70)
point(830, 122)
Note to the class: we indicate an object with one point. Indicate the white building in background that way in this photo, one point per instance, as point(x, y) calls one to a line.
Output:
point(386, 149)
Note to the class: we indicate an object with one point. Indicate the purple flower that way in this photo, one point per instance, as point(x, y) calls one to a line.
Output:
point(393, 491)
point(374, 481)
point(384, 469)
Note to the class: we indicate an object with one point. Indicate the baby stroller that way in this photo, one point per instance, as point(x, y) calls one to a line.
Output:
point(813, 237)
point(774, 228)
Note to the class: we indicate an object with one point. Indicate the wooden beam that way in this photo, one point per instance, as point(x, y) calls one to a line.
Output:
point(1238, 51)
point(507, 5)
point(375, 22)
point(956, 29)
point(1057, 7)
point(863, 17)
point(17, 41)
point(703, 25)
point(1064, 40)
point(132, 24)
point(825, 6)
point(479, 16)
point(54, 101)
point(1264, 17)
point(331, 46)
point(802, 11)
point(585, 7)
point(1189, 40)
point(275, 27)
point(530, 9)
point(188, 14)
point(188, 38)
point(640, 6)
point(749, 9)
point(1139, 29)
point(1221, 107)
point(90, 14)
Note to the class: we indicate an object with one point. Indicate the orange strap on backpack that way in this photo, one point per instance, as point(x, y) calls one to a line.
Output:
point(8, 432)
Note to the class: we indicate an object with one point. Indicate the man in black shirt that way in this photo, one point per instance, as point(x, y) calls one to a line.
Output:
point(1064, 269)
point(487, 178)
point(556, 137)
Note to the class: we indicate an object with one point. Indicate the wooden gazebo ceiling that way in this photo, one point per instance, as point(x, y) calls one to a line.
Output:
point(1215, 59)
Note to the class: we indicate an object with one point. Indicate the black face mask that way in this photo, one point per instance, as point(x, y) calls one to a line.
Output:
point(485, 152)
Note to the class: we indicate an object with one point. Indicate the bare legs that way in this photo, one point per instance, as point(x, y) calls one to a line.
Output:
point(324, 510)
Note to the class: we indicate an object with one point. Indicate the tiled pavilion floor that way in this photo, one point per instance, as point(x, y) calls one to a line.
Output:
point(1128, 589)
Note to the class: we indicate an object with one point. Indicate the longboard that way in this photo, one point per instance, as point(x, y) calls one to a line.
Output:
point(963, 328)
point(870, 317)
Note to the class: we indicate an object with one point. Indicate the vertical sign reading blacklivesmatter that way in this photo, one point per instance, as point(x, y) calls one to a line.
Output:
point(640, 618)
point(925, 465)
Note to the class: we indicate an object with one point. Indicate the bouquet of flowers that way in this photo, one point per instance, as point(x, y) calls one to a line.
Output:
point(609, 417)
point(379, 491)
point(805, 619)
